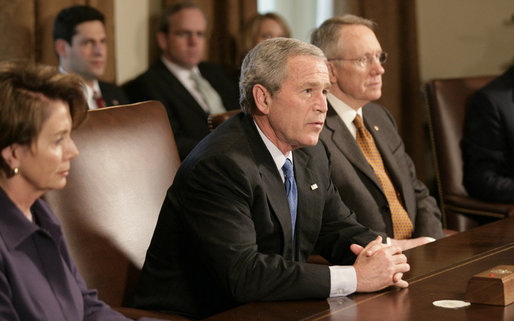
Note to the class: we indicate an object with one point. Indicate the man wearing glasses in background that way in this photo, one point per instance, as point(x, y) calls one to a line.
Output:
point(188, 87)
point(374, 175)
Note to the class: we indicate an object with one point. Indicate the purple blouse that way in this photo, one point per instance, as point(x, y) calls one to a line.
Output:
point(38, 278)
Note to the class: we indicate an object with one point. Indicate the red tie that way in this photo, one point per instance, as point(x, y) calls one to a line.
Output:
point(99, 100)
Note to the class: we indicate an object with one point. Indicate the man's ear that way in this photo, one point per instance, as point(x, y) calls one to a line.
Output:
point(61, 46)
point(262, 98)
point(161, 40)
point(331, 72)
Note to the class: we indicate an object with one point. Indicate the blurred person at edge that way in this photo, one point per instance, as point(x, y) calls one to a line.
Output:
point(38, 278)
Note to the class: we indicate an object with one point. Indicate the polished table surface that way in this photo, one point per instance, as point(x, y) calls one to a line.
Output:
point(439, 270)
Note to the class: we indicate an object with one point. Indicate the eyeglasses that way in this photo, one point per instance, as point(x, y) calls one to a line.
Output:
point(366, 60)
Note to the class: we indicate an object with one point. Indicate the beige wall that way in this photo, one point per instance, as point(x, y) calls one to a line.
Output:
point(464, 37)
point(135, 41)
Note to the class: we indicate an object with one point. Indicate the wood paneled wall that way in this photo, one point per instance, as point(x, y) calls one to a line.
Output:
point(26, 28)
point(27, 25)
point(226, 19)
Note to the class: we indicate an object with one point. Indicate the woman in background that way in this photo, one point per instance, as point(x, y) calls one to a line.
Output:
point(259, 28)
point(38, 278)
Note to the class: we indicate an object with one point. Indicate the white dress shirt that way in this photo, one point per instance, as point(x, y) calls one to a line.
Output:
point(345, 112)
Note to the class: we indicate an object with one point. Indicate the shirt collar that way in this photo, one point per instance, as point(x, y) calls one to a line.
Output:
point(15, 227)
point(183, 74)
point(345, 112)
point(276, 154)
point(89, 92)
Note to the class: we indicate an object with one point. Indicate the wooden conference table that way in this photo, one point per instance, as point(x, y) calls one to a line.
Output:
point(439, 270)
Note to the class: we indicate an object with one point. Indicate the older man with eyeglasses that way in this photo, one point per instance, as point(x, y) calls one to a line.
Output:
point(374, 175)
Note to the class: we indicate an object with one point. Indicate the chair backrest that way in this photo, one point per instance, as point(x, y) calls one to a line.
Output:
point(109, 207)
point(448, 100)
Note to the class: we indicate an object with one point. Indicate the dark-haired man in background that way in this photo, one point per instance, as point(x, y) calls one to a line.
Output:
point(80, 43)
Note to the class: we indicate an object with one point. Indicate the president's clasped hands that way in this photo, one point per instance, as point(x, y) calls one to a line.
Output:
point(379, 265)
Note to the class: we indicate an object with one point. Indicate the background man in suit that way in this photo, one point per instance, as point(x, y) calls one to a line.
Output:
point(355, 60)
point(189, 90)
point(80, 43)
point(230, 231)
point(488, 143)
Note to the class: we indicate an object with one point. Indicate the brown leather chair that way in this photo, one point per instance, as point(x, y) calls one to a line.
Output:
point(215, 120)
point(109, 207)
point(447, 104)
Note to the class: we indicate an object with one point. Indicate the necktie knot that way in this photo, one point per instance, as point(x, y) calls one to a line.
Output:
point(196, 78)
point(287, 168)
point(357, 121)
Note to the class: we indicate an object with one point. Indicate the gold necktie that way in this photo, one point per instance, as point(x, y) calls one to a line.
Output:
point(402, 225)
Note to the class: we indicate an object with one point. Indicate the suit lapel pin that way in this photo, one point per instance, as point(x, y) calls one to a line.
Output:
point(314, 186)
point(376, 128)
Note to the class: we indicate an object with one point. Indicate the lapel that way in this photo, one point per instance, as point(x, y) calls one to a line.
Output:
point(108, 95)
point(309, 199)
point(373, 121)
point(344, 141)
point(176, 91)
point(272, 183)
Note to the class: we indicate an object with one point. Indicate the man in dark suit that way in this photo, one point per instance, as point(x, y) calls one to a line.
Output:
point(189, 90)
point(230, 231)
point(355, 64)
point(80, 43)
point(488, 142)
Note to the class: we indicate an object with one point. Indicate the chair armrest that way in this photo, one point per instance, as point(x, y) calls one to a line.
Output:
point(474, 206)
point(317, 259)
point(214, 120)
point(448, 232)
point(135, 314)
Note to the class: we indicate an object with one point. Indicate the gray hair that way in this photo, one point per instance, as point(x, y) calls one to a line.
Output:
point(266, 64)
point(326, 36)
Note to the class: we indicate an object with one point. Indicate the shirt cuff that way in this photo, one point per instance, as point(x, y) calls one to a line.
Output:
point(343, 280)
